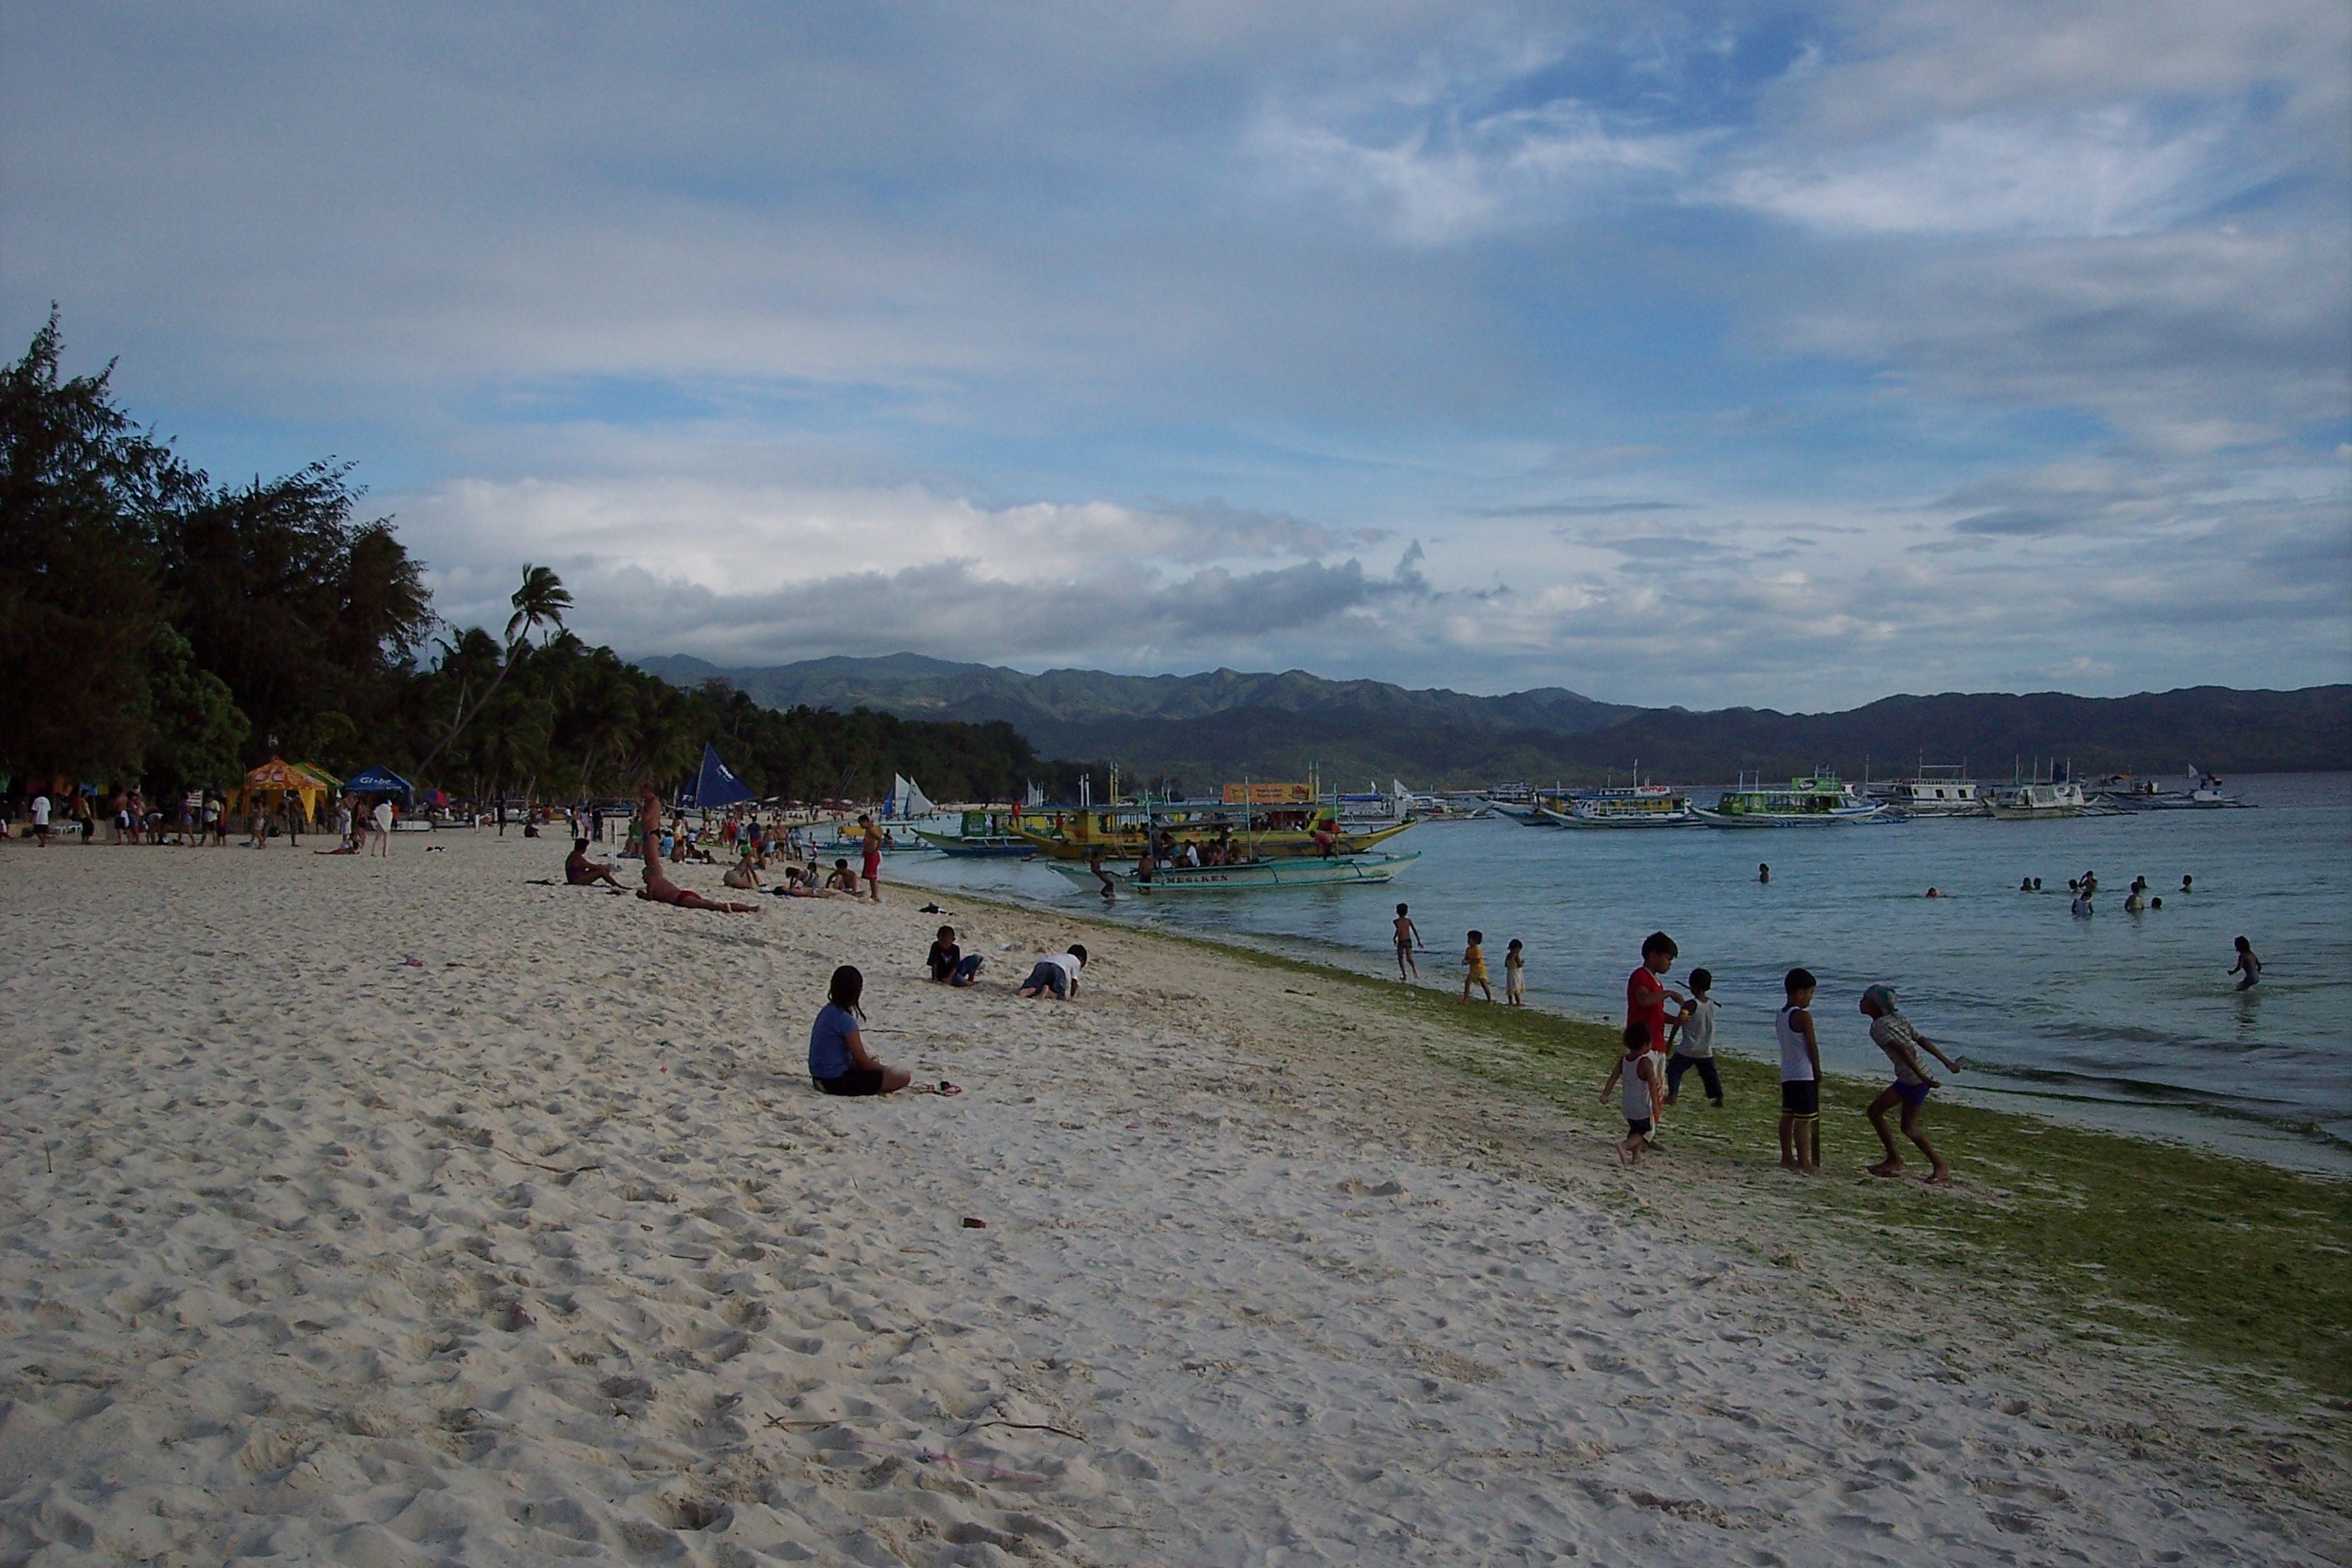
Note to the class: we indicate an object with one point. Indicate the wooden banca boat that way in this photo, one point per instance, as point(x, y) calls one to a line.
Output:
point(1819, 800)
point(1250, 877)
point(1637, 806)
point(982, 834)
point(1282, 832)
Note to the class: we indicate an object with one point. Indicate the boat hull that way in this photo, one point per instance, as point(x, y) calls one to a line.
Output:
point(1263, 876)
point(1682, 818)
point(1011, 846)
point(1788, 819)
point(1280, 846)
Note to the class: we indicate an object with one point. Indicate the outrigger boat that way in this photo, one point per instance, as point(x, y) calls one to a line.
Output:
point(1343, 870)
point(2038, 795)
point(1819, 800)
point(1637, 805)
point(2031, 802)
point(1285, 830)
point(2203, 793)
point(981, 833)
point(1935, 791)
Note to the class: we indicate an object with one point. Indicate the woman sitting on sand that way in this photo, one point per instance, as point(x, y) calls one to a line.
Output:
point(838, 1059)
point(742, 874)
point(579, 871)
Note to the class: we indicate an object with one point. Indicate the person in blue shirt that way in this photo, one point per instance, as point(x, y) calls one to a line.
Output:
point(838, 1061)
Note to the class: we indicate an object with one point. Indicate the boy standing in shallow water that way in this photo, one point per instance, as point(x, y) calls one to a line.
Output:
point(1474, 965)
point(1800, 1077)
point(1893, 1033)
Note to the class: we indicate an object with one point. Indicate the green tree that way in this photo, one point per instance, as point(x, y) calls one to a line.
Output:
point(80, 486)
point(199, 732)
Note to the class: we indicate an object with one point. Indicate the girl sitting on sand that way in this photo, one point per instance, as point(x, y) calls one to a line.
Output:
point(838, 1061)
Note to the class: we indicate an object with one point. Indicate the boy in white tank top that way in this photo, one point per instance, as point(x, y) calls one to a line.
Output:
point(1800, 1077)
point(1636, 1074)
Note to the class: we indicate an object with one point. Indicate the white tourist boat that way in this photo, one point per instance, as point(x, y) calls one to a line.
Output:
point(1636, 806)
point(2033, 801)
point(1817, 800)
point(1257, 875)
point(1935, 791)
point(2204, 794)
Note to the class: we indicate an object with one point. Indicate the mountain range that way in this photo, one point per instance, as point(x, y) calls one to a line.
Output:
point(1201, 730)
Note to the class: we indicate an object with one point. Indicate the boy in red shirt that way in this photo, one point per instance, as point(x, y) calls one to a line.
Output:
point(1646, 1003)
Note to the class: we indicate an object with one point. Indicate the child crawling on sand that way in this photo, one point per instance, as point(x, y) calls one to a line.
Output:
point(1057, 972)
point(1636, 1074)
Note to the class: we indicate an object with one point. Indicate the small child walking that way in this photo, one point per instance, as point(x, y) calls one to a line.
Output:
point(1800, 1076)
point(1692, 1036)
point(1408, 937)
point(1893, 1033)
point(1635, 1076)
point(1515, 975)
point(1474, 966)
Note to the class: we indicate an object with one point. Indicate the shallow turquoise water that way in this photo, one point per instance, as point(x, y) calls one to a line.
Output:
point(2120, 1020)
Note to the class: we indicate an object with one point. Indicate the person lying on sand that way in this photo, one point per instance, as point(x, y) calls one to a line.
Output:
point(838, 1061)
point(579, 871)
point(800, 882)
point(660, 889)
point(1058, 973)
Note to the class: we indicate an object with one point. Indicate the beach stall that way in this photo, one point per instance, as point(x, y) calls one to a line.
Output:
point(274, 779)
point(381, 780)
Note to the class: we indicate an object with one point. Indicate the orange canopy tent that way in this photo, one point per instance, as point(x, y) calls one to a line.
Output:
point(280, 778)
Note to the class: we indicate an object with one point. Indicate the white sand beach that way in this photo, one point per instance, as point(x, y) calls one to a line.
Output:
point(543, 1249)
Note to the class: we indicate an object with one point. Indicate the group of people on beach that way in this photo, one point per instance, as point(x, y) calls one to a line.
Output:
point(656, 846)
point(1659, 1052)
point(840, 1062)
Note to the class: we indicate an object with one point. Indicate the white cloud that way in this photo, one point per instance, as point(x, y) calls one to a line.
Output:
point(2091, 173)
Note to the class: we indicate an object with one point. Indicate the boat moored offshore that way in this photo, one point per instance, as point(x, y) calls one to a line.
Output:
point(1636, 806)
point(2032, 801)
point(1935, 791)
point(1817, 800)
point(1253, 876)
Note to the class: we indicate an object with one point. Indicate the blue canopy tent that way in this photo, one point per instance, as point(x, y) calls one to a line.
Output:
point(715, 785)
point(381, 780)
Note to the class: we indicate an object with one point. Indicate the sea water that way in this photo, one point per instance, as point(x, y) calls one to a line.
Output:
point(2129, 1021)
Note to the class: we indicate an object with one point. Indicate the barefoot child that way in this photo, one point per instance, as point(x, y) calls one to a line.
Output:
point(1893, 1034)
point(1646, 1003)
point(1692, 1036)
point(1800, 1077)
point(1636, 1076)
point(1515, 975)
point(1474, 966)
point(1408, 937)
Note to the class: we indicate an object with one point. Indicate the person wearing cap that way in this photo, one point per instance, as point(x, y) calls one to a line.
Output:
point(1893, 1034)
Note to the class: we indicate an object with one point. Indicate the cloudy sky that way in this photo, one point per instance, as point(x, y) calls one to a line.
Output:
point(1788, 356)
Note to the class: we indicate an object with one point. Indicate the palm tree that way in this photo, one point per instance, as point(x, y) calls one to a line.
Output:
point(540, 602)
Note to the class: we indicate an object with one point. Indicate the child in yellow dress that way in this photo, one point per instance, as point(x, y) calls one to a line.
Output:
point(1473, 963)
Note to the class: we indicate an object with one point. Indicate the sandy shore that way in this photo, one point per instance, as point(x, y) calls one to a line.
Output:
point(543, 1249)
